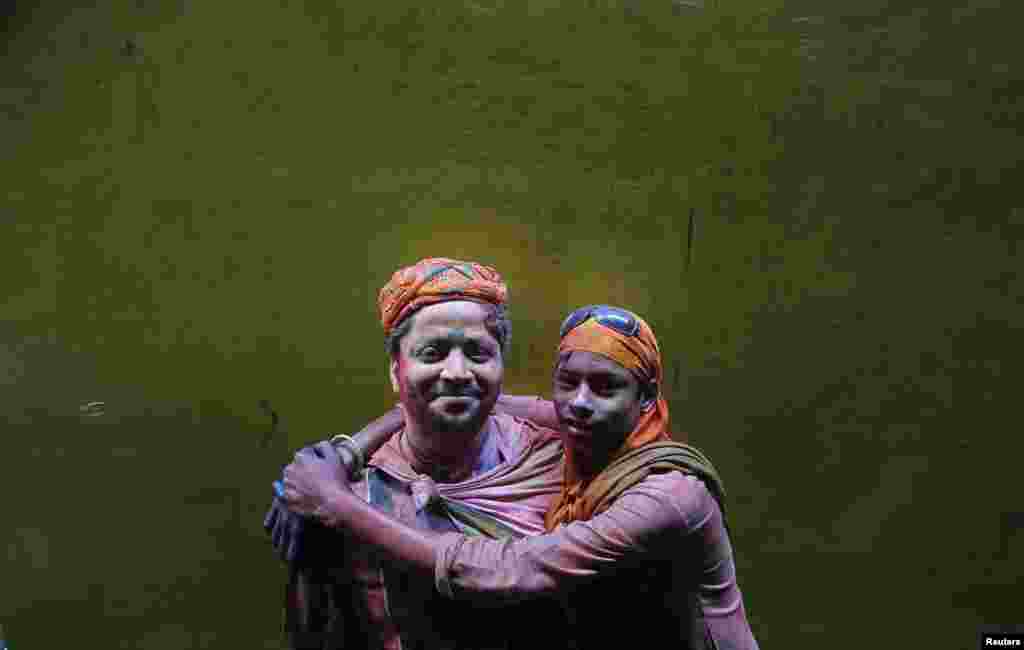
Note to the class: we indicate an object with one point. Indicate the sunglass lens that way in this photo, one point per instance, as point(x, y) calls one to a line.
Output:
point(573, 320)
point(619, 322)
point(617, 319)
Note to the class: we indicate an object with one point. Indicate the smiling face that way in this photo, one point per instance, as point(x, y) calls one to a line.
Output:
point(449, 369)
point(598, 403)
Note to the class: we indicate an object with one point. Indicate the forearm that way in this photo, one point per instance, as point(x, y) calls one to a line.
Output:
point(418, 551)
point(529, 407)
point(654, 515)
point(413, 548)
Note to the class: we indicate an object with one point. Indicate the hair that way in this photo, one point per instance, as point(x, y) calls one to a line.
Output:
point(498, 324)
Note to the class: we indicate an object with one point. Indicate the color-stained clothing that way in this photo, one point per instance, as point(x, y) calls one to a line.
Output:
point(658, 560)
point(370, 603)
point(514, 479)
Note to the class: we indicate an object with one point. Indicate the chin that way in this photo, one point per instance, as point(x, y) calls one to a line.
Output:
point(462, 422)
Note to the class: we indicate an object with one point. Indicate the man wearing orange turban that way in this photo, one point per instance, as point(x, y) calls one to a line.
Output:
point(453, 465)
point(636, 538)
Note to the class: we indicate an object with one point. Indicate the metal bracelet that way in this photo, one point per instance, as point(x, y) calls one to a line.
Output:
point(346, 441)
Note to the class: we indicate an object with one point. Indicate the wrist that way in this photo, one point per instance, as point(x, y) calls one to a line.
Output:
point(352, 456)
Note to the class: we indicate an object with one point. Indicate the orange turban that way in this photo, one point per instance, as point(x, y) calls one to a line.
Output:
point(434, 280)
point(639, 354)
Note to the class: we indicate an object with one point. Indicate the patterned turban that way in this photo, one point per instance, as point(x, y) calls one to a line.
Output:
point(434, 280)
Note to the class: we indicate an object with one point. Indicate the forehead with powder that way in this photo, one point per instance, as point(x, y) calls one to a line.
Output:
point(462, 319)
point(580, 362)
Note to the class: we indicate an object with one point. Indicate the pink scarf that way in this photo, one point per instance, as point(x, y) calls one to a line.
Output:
point(515, 495)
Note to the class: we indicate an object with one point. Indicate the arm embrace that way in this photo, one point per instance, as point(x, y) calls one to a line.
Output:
point(499, 571)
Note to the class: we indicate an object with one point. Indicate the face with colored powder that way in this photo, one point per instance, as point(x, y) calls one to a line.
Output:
point(449, 369)
point(598, 403)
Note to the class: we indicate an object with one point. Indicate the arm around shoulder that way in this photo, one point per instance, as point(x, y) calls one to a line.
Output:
point(627, 533)
point(534, 408)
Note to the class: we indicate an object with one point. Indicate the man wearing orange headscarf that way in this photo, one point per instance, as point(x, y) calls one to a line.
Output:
point(452, 466)
point(636, 539)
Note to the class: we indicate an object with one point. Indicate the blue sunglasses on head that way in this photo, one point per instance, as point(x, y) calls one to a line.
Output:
point(617, 319)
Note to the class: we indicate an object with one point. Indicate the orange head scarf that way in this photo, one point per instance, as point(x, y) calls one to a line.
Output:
point(639, 354)
point(434, 280)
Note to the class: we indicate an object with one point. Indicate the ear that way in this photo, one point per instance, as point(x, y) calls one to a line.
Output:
point(393, 373)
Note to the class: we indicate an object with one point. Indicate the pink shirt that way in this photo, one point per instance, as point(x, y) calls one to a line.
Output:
point(657, 562)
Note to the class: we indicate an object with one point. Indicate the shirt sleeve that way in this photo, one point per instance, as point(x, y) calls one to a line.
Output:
point(573, 554)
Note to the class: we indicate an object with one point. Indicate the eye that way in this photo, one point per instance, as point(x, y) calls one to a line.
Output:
point(605, 388)
point(429, 353)
point(480, 354)
point(565, 382)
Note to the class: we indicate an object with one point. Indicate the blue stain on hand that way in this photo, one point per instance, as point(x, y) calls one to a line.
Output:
point(279, 489)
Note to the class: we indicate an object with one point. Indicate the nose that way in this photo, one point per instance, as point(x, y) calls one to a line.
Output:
point(580, 405)
point(455, 367)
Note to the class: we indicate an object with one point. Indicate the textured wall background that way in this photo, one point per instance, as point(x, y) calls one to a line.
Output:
point(199, 202)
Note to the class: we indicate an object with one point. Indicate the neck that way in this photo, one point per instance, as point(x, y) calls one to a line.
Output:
point(586, 468)
point(443, 456)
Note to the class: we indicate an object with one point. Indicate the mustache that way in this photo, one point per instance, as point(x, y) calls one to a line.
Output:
point(456, 391)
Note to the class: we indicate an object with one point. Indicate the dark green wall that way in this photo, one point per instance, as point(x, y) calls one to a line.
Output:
point(200, 200)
